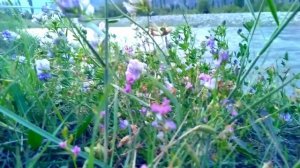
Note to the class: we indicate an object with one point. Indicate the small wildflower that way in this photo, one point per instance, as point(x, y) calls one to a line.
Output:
point(143, 110)
point(134, 70)
point(102, 114)
point(127, 88)
point(207, 81)
point(223, 56)
point(128, 50)
point(63, 144)
point(9, 35)
point(102, 127)
point(123, 124)
point(188, 85)
point(144, 166)
point(87, 86)
point(44, 76)
point(162, 108)
point(76, 150)
point(211, 43)
point(170, 125)
point(286, 117)
point(155, 124)
point(21, 59)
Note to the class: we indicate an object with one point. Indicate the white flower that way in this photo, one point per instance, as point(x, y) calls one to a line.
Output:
point(21, 58)
point(42, 65)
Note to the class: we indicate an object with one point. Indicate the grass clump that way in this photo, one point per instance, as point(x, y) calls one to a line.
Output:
point(163, 100)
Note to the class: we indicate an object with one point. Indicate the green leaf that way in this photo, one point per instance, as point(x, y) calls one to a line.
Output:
point(273, 9)
point(35, 140)
point(84, 125)
point(19, 98)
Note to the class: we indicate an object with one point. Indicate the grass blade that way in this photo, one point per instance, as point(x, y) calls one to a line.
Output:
point(40, 131)
point(273, 9)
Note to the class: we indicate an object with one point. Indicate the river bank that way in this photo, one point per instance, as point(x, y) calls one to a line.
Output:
point(210, 20)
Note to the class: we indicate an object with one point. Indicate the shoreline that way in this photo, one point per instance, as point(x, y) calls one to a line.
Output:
point(210, 20)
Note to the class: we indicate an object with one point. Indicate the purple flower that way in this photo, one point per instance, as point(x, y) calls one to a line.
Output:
point(44, 76)
point(143, 110)
point(223, 56)
point(63, 144)
point(211, 42)
point(155, 124)
point(128, 50)
point(170, 125)
point(9, 35)
point(76, 150)
point(188, 85)
point(134, 70)
point(123, 124)
point(162, 108)
point(286, 117)
point(229, 105)
point(144, 166)
point(67, 5)
point(102, 113)
point(127, 88)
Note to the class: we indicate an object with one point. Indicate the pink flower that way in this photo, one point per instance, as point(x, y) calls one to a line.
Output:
point(162, 108)
point(127, 88)
point(144, 166)
point(208, 81)
point(188, 85)
point(204, 77)
point(63, 144)
point(76, 150)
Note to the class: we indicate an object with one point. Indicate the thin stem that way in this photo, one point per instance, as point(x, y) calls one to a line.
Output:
point(106, 82)
point(267, 45)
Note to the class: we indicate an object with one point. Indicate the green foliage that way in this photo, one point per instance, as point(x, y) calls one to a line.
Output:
point(228, 119)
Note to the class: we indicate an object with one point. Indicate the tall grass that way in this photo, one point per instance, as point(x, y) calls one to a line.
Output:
point(221, 125)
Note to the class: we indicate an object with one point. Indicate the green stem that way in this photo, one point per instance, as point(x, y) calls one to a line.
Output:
point(106, 82)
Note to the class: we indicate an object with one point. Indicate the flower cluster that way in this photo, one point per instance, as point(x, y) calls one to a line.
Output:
point(134, 70)
point(10, 36)
point(42, 69)
point(75, 150)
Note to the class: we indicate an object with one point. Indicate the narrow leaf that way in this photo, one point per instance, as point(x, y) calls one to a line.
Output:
point(273, 9)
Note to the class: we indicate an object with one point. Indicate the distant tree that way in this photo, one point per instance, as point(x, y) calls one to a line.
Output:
point(239, 3)
point(203, 6)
